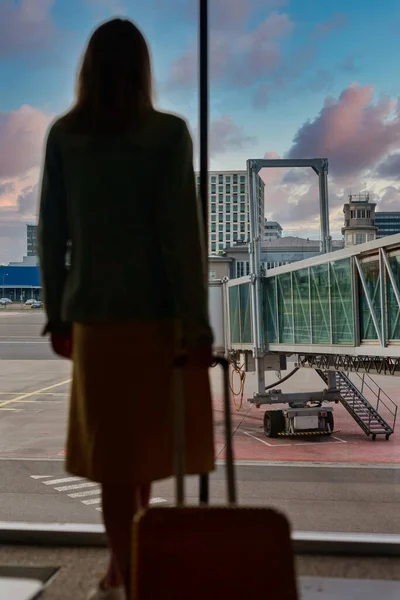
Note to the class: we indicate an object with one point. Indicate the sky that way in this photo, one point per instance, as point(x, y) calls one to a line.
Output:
point(287, 81)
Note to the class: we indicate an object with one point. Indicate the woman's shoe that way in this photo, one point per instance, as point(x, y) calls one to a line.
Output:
point(108, 594)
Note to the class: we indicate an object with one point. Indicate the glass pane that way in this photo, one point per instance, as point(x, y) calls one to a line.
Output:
point(245, 313)
point(285, 308)
point(393, 308)
point(320, 304)
point(270, 309)
point(371, 276)
point(301, 304)
point(342, 302)
point(234, 314)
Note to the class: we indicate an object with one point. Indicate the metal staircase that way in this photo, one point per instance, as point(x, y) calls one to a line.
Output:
point(362, 411)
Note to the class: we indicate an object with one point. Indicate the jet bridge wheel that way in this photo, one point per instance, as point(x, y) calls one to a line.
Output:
point(274, 423)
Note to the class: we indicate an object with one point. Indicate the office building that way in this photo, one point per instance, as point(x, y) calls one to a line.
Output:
point(387, 223)
point(31, 240)
point(228, 220)
point(272, 230)
point(359, 220)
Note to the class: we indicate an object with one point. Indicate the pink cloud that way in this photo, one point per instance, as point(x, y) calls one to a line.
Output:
point(22, 134)
point(25, 26)
point(239, 62)
point(225, 135)
point(353, 132)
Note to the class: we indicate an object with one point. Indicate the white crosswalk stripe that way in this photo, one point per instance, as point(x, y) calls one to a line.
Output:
point(83, 488)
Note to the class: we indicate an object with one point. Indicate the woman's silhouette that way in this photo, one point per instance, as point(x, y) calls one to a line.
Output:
point(119, 200)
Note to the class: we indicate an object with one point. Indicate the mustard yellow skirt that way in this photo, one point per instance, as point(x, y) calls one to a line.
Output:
point(121, 411)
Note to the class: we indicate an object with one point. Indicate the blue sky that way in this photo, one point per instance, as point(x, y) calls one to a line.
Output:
point(288, 78)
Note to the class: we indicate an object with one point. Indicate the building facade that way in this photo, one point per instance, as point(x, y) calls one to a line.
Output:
point(228, 220)
point(31, 240)
point(272, 230)
point(359, 220)
point(387, 223)
point(275, 253)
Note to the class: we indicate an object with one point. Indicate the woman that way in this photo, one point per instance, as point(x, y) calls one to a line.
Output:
point(119, 199)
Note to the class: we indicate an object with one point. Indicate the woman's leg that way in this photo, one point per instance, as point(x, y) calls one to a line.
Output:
point(120, 503)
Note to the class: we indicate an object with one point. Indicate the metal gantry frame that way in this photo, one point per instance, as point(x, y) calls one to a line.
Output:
point(254, 166)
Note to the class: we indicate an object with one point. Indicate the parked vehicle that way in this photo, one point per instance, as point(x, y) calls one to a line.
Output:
point(5, 301)
point(37, 304)
point(30, 301)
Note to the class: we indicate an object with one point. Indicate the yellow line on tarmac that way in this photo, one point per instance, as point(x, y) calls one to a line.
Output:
point(35, 393)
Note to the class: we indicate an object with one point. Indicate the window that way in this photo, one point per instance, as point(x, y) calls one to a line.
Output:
point(242, 208)
point(228, 218)
point(235, 189)
point(212, 275)
point(228, 237)
point(228, 227)
point(360, 238)
point(220, 198)
point(358, 504)
point(228, 208)
point(220, 237)
point(220, 189)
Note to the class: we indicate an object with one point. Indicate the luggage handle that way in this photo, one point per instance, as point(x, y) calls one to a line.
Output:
point(179, 436)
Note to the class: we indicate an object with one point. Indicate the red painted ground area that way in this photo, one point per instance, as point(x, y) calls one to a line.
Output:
point(349, 444)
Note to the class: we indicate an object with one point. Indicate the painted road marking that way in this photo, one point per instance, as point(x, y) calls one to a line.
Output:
point(63, 480)
point(35, 393)
point(293, 443)
point(85, 493)
point(95, 490)
point(76, 486)
point(91, 501)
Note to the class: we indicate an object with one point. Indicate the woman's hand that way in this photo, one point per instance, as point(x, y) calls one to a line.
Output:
point(62, 344)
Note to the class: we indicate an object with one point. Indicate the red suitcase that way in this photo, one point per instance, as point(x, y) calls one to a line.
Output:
point(207, 553)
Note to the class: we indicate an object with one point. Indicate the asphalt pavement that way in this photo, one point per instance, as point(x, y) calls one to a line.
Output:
point(317, 495)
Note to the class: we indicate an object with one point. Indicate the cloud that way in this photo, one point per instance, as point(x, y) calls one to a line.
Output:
point(6, 188)
point(26, 27)
point(28, 201)
point(353, 132)
point(22, 134)
point(240, 62)
point(390, 167)
point(390, 199)
point(338, 20)
point(226, 135)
